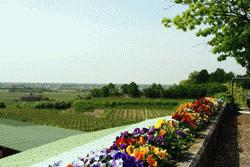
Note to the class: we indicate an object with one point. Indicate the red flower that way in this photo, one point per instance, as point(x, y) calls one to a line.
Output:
point(185, 117)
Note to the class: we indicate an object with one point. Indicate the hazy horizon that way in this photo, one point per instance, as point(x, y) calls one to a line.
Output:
point(73, 41)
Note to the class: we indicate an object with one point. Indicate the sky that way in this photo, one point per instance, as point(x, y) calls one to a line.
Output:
point(99, 41)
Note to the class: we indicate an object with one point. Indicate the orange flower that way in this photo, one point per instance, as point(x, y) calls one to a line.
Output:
point(138, 155)
point(69, 165)
point(141, 140)
point(162, 132)
point(184, 106)
point(151, 161)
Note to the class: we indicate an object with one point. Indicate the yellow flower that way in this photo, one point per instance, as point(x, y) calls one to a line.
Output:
point(159, 123)
point(129, 149)
point(211, 99)
point(155, 150)
point(162, 154)
point(145, 150)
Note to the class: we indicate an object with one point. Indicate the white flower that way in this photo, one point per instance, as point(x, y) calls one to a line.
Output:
point(118, 163)
point(77, 163)
point(57, 163)
point(97, 164)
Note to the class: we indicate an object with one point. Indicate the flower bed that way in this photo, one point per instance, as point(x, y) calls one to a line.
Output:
point(160, 145)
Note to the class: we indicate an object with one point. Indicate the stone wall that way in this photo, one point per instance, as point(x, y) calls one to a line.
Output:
point(201, 153)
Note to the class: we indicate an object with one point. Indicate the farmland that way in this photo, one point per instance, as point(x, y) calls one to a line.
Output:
point(102, 112)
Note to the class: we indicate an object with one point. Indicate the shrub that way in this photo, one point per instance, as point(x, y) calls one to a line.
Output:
point(2, 105)
point(194, 90)
point(215, 88)
point(31, 98)
point(82, 106)
point(53, 105)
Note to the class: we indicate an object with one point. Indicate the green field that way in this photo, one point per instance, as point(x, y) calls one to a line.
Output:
point(104, 113)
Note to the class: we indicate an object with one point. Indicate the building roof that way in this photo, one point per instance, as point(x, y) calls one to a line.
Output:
point(21, 136)
point(41, 153)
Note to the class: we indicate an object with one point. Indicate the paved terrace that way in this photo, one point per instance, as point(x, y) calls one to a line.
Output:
point(234, 142)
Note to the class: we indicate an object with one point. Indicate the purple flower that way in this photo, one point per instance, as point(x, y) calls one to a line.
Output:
point(137, 131)
point(151, 131)
point(180, 133)
point(128, 161)
point(145, 130)
point(124, 134)
point(123, 146)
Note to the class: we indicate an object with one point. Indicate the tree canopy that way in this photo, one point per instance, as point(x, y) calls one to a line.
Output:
point(202, 77)
point(226, 21)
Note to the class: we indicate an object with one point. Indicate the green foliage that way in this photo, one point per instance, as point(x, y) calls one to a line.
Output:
point(96, 92)
point(133, 90)
point(227, 22)
point(124, 89)
point(109, 90)
point(82, 106)
point(221, 76)
point(201, 77)
point(2, 105)
point(194, 90)
point(154, 91)
point(240, 94)
point(214, 88)
point(243, 83)
point(187, 91)
point(90, 105)
point(225, 96)
point(53, 105)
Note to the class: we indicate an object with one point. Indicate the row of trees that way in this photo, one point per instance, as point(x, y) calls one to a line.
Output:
point(199, 84)
point(110, 90)
point(157, 91)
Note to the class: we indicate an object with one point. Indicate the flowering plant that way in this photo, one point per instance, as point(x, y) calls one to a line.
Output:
point(170, 136)
point(152, 156)
point(196, 115)
point(106, 159)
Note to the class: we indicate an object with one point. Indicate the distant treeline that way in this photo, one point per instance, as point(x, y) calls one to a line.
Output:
point(28, 89)
point(198, 84)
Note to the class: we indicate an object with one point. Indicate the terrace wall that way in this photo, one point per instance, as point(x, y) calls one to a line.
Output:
point(202, 152)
